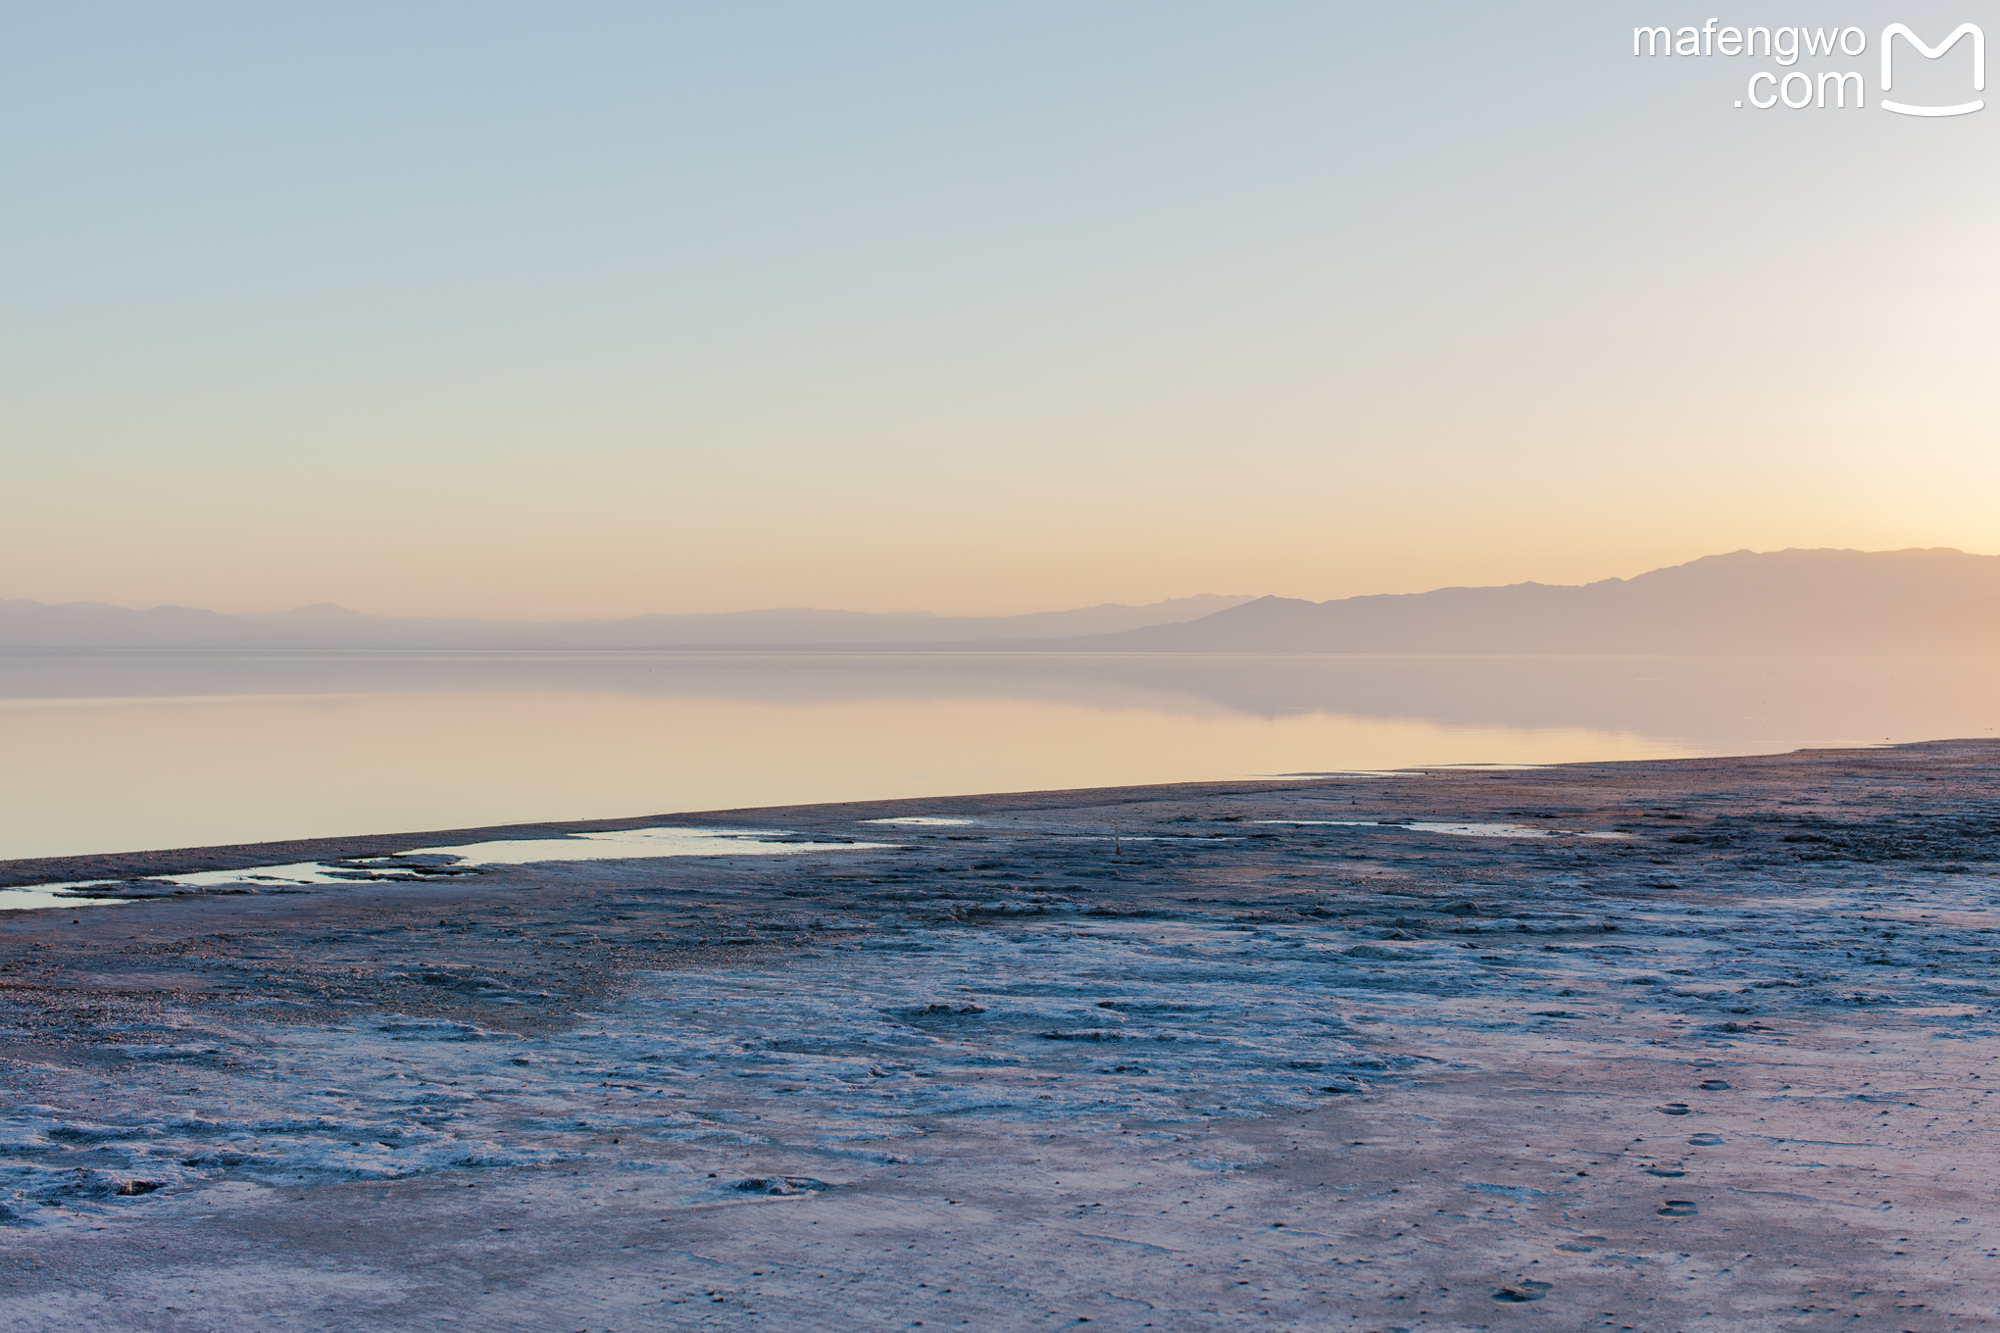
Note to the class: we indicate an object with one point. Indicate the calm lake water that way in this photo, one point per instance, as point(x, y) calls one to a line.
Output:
point(115, 751)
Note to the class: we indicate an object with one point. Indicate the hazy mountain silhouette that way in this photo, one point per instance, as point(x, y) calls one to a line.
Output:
point(1786, 602)
point(25, 624)
point(1823, 602)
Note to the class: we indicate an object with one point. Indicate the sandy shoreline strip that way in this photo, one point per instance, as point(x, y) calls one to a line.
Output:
point(1653, 1045)
point(25, 872)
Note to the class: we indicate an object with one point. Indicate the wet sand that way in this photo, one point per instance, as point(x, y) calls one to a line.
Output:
point(1698, 1043)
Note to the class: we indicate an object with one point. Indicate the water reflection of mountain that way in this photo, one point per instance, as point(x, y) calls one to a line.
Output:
point(1714, 703)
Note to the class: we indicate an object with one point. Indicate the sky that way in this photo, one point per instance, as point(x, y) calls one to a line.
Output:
point(598, 309)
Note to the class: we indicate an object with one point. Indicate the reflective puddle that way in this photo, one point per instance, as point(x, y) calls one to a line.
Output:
point(442, 862)
point(51, 895)
point(1457, 830)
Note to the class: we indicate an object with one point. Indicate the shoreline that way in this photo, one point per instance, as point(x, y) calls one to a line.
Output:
point(27, 872)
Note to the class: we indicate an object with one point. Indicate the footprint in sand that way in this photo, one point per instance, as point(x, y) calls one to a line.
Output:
point(1673, 1108)
point(1706, 1141)
point(1715, 1085)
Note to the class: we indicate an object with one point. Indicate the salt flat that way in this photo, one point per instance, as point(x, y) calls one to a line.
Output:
point(1136, 1057)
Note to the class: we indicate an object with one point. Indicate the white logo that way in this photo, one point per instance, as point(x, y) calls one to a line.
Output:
point(1821, 87)
point(1895, 30)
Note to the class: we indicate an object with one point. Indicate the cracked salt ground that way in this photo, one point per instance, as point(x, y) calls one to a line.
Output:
point(1731, 1072)
point(1171, 1024)
point(1164, 1025)
point(1167, 1022)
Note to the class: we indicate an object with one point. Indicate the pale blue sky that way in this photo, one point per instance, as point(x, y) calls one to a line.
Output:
point(595, 309)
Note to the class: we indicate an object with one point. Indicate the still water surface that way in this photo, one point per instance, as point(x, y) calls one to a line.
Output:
point(114, 751)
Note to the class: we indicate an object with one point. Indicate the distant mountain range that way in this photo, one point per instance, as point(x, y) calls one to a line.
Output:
point(1822, 603)
point(25, 624)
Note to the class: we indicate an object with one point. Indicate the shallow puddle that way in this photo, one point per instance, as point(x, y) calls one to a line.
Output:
point(923, 821)
point(48, 895)
point(628, 844)
point(615, 845)
point(1467, 830)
